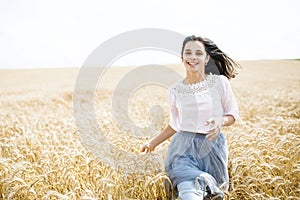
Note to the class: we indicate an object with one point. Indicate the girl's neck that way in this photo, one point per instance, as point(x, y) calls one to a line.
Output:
point(194, 77)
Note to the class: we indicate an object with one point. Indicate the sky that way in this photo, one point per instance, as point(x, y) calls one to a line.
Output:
point(63, 33)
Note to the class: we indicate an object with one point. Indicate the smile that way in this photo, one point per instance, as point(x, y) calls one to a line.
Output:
point(192, 63)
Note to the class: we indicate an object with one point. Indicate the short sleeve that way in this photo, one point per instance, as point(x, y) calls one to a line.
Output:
point(173, 110)
point(228, 99)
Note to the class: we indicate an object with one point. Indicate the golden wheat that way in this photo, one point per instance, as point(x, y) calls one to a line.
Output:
point(42, 156)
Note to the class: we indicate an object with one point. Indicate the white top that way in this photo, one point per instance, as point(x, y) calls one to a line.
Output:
point(191, 105)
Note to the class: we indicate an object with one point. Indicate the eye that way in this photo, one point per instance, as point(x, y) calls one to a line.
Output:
point(187, 53)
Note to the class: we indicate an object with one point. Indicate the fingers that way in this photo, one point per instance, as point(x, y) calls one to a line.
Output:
point(143, 149)
point(213, 133)
point(147, 148)
point(215, 120)
point(212, 136)
point(215, 128)
point(209, 121)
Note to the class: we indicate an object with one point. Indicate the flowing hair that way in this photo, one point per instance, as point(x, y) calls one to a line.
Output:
point(226, 66)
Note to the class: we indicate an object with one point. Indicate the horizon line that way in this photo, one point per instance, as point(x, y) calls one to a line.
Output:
point(135, 65)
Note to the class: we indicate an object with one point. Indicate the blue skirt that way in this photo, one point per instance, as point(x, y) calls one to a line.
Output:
point(191, 157)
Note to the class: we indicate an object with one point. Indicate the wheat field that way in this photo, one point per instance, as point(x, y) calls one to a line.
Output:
point(44, 155)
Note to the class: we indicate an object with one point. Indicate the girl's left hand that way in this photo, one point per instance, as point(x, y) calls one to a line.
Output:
point(216, 124)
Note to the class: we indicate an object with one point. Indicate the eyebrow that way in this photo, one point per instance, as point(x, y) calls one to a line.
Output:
point(196, 50)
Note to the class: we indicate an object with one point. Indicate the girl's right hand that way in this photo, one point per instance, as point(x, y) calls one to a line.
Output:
point(148, 148)
point(216, 124)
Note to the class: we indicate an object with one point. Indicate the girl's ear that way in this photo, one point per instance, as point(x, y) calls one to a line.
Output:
point(207, 58)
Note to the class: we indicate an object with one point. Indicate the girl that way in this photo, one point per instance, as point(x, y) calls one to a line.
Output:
point(200, 105)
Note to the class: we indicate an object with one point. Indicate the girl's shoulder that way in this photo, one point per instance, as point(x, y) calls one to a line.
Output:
point(223, 78)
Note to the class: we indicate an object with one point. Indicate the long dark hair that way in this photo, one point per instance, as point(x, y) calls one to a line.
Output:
point(226, 66)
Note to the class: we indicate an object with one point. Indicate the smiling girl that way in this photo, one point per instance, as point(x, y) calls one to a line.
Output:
point(200, 105)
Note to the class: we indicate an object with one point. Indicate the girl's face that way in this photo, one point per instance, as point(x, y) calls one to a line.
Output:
point(194, 56)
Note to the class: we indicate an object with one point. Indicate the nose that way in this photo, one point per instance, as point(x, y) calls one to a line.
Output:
point(192, 56)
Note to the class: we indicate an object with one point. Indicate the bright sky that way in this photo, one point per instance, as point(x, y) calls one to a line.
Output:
point(62, 33)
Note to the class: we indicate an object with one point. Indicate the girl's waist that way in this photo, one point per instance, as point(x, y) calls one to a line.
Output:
point(191, 134)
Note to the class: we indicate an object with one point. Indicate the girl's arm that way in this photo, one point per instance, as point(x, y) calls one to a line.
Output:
point(164, 135)
point(228, 120)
